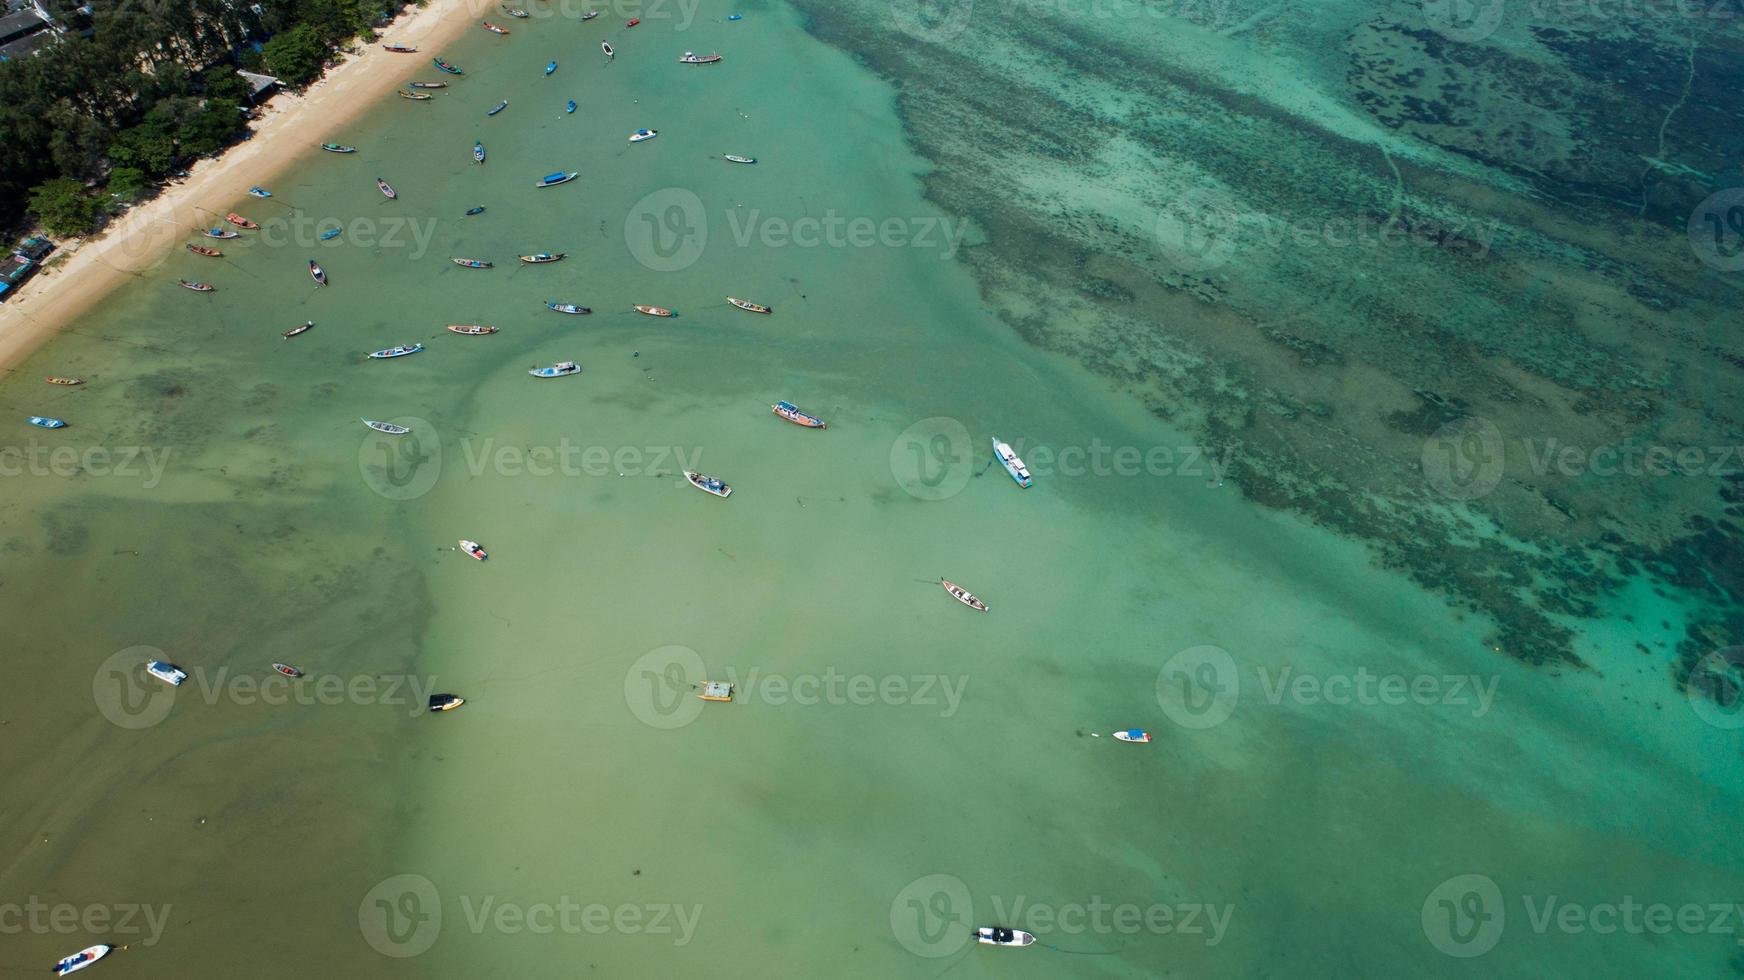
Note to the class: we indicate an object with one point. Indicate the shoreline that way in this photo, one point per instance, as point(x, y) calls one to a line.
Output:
point(137, 239)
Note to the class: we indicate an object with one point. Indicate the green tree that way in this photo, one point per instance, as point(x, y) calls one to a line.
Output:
point(127, 182)
point(296, 56)
point(223, 82)
point(207, 130)
point(63, 207)
point(150, 146)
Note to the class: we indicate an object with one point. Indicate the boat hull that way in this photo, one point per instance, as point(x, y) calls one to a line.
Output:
point(1013, 466)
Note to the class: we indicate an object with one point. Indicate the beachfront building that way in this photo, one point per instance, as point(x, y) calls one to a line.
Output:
point(24, 28)
point(258, 85)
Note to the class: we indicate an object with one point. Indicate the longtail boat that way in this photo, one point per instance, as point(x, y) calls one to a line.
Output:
point(494, 29)
point(471, 263)
point(734, 158)
point(445, 66)
point(400, 48)
point(791, 413)
point(204, 250)
point(567, 308)
point(516, 12)
point(655, 310)
point(428, 84)
point(543, 257)
point(220, 233)
point(688, 58)
point(297, 330)
point(963, 595)
point(386, 188)
point(317, 273)
point(415, 97)
point(749, 306)
point(239, 221)
point(471, 330)
point(198, 287)
point(708, 484)
point(388, 427)
point(336, 148)
point(551, 180)
point(54, 379)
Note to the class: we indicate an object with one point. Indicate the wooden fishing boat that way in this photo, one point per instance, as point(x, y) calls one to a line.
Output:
point(415, 97)
point(336, 148)
point(471, 330)
point(499, 107)
point(294, 331)
point(288, 670)
point(445, 66)
point(400, 351)
point(747, 305)
point(494, 29)
point(567, 308)
point(331, 234)
point(428, 84)
point(590, 15)
point(198, 287)
point(559, 370)
point(516, 12)
point(240, 222)
point(400, 48)
point(386, 189)
point(204, 250)
point(477, 152)
point(55, 379)
point(708, 484)
point(543, 257)
point(791, 413)
point(220, 233)
point(963, 595)
point(643, 135)
point(472, 211)
point(387, 427)
point(690, 58)
point(259, 191)
point(471, 263)
point(45, 422)
point(731, 158)
point(655, 310)
point(552, 180)
point(317, 273)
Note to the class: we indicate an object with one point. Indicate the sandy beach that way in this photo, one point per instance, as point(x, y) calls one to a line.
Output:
point(86, 270)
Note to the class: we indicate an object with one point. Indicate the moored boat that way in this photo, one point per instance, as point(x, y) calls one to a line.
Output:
point(239, 221)
point(167, 672)
point(386, 188)
point(549, 68)
point(516, 12)
point(558, 370)
point(734, 158)
point(655, 310)
point(606, 46)
point(690, 58)
point(643, 135)
point(472, 211)
point(317, 273)
point(747, 305)
point(445, 66)
point(791, 413)
point(387, 427)
point(708, 484)
point(494, 29)
point(472, 548)
point(46, 422)
point(1012, 464)
point(259, 191)
point(567, 308)
point(288, 670)
point(499, 107)
point(445, 702)
point(428, 84)
point(633, 22)
point(198, 287)
point(471, 263)
point(294, 331)
point(55, 379)
point(590, 15)
point(569, 106)
point(720, 692)
point(205, 250)
point(336, 148)
point(220, 233)
point(1132, 735)
point(963, 595)
point(331, 234)
point(541, 258)
point(414, 96)
point(471, 329)
point(400, 48)
point(83, 958)
point(1001, 936)
point(400, 351)
point(551, 180)
point(477, 151)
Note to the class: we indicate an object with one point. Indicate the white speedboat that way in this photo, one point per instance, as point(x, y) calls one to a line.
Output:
point(642, 135)
point(708, 484)
point(1012, 464)
point(83, 958)
point(557, 370)
point(167, 672)
point(1133, 735)
point(1001, 936)
point(473, 548)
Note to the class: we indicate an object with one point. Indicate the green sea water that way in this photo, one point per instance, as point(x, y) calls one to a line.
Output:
point(894, 767)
